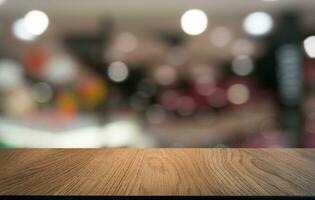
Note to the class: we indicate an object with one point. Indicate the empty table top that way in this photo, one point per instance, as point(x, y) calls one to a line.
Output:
point(157, 171)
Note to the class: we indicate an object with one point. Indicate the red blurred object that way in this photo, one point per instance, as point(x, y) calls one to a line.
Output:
point(199, 100)
point(34, 60)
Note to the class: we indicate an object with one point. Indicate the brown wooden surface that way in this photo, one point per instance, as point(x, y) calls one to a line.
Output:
point(158, 171)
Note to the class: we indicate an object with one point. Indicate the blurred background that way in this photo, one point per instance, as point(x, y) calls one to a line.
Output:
point(228, 73)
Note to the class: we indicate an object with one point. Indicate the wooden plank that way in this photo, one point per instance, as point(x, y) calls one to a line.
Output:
point(157, 171)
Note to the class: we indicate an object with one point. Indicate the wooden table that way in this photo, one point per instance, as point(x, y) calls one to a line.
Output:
point(157, 171)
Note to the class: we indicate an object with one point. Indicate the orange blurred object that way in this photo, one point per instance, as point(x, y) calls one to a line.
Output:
point(66, 103)
point(92, 91)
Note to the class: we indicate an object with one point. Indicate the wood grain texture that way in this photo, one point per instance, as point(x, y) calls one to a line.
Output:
point(157, 171)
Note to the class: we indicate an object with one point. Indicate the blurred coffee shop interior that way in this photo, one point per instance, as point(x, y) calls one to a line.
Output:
point(228, 73)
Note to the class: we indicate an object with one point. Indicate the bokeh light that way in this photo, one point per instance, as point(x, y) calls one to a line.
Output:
point(238, 94)
point(11, 74)
point(61, 69)
point(220, 36)
point(118, 71)
point(18, 102)
point(42, 92)
point(309, 46)
point(194, 22)
point(258, 23)
point(126, 42)
point(165, 75)
point(20, 32)
point(242, 65)
point(36, 22)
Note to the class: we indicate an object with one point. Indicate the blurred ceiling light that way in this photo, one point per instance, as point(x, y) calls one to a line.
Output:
point(238, 94)
point(118, 71)
point(243, 47)
point(194, 22)
point(36, 22)
point(258, 23)
point(42, 92)
point(2, 2)
point(165, 75)
point(242, 65)
point(11, 74)
point(20, 32)
point(126, 42)
point(309, 46)
point(220, 36)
